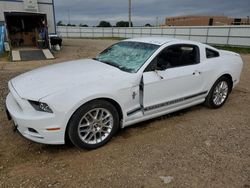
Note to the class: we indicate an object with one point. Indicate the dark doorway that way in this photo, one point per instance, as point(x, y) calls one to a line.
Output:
point(211, 22)
point(237, 21)
point(27, 29)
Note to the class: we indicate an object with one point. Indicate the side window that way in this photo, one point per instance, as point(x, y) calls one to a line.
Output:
point(175, 56)
point(179, 55)
point(152, 66)
point(211, 53)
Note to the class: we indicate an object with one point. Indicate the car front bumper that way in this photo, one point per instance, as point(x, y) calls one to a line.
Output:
point(32, 124)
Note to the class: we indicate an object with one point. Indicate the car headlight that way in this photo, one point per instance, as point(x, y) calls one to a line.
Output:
point(40, 106)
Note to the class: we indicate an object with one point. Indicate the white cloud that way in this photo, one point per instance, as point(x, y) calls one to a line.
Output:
point(144, 11)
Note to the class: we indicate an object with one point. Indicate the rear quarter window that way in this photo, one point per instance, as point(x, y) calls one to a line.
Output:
point(211, 53)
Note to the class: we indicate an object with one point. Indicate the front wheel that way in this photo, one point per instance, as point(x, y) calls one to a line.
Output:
point(219, 93)
point(93, 124)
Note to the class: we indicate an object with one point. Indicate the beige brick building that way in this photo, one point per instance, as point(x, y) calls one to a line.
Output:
point(205, 21)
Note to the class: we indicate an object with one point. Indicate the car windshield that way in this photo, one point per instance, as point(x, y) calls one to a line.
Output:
point(127, 56)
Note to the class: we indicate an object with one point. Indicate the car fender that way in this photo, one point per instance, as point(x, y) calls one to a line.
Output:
point(220, 75)
point(71, 104)
point(103, 96)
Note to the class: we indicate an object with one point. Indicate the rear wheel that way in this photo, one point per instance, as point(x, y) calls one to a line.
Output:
point(219, 93)
point(93, 124)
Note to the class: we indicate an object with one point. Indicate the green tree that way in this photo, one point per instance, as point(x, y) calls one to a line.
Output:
point(104, 24)
point(123, 24)
point(60, 23)
point(73, 25)
point(148, 25)
point(83, 25)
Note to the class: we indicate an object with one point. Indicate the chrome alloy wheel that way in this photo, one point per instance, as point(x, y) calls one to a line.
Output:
point(95, 126)
point(220, 93)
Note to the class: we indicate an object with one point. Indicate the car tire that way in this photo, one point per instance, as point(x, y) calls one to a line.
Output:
point(219, 93)
point(93, 124)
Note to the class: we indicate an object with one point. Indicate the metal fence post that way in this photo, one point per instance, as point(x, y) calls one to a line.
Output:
point(207, 34)
point(189, 37)
point(67, 34)
point(229, 33)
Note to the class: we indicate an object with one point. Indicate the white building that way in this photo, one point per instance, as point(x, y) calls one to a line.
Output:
point(15, 10)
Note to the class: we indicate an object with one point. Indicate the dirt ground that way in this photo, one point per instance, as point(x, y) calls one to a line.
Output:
point(197, 147)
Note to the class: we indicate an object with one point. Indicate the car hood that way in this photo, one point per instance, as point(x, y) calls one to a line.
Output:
point(42, 82)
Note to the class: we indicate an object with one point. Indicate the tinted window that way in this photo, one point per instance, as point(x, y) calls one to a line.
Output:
point(178, 55)
point(211, 53)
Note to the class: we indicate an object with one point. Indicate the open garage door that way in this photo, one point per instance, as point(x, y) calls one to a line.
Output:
point(28, 36)
point(27, 29)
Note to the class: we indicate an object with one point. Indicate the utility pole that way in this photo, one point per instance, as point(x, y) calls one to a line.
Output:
point(157, 21)
point(69, 16)
point(129, 13)
point(248, 20)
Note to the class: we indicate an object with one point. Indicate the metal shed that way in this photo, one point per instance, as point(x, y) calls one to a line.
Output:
point(33, 6)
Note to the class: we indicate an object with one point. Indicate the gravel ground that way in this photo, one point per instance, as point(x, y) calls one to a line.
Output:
point(196, 147)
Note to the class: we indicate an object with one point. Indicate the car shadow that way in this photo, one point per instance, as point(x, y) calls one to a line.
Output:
point(122, 133)
point(125, 132)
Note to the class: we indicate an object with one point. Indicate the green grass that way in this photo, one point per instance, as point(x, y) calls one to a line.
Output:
point(241, 50)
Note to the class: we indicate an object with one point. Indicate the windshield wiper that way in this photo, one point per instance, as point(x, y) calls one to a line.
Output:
point(95, 59)
point(110, 63)
point(126, 69)
point(114, 65)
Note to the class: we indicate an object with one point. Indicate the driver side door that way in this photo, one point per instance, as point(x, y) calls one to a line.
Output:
point(174, 79)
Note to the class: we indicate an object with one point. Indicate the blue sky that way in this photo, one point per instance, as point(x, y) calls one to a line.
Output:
point(91, 12)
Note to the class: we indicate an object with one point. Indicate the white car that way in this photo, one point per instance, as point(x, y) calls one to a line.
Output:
point(132, 81)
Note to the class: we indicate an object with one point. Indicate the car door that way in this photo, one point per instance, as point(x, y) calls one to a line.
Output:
point(178, 83)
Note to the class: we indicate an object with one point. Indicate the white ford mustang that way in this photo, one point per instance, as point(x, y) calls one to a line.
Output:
point(129, 82)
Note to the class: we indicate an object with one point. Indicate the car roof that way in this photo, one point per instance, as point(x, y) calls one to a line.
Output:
point(153, 40)
point(160, 40)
